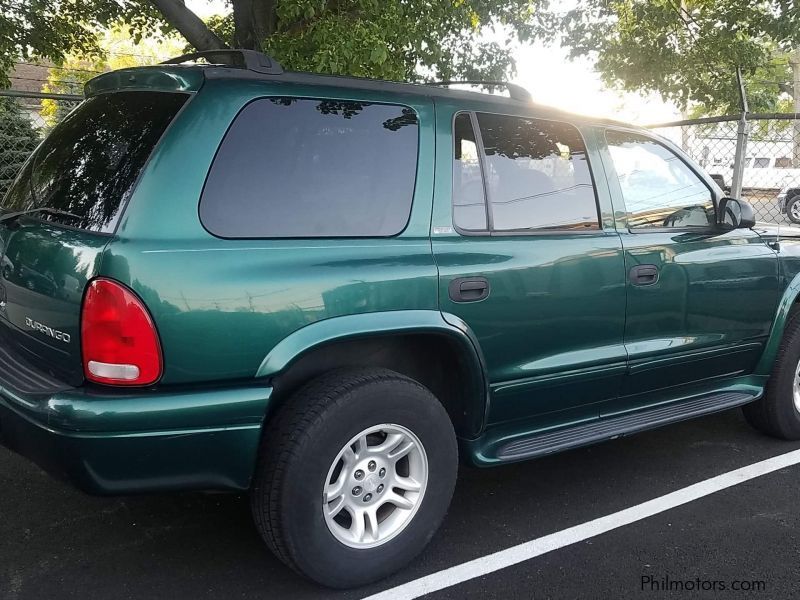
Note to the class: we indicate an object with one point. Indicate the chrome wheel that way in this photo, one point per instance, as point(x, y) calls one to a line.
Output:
point(796, 387)
point(794, 210)
point(375, 486)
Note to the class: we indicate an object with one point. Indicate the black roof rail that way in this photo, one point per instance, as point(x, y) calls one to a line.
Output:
point(240, 59)
point(517, 92)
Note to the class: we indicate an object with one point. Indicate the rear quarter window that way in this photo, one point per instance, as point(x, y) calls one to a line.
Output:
point(299, 167)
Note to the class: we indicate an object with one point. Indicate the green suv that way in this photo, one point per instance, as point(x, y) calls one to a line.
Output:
point(325, 291)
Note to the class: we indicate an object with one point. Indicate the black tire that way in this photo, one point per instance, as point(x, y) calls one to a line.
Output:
point(299, 446)
point(776, 413)
point(793, 201)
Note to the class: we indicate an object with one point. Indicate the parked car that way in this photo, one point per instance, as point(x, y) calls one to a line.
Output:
point(788, 201)
point(324, 291)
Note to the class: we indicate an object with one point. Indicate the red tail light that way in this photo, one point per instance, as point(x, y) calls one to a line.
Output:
point(119, 340)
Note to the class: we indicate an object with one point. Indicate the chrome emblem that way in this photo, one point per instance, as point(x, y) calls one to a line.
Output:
point(48, 331)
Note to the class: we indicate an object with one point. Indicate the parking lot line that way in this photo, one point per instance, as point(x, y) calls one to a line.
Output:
point(578, 533)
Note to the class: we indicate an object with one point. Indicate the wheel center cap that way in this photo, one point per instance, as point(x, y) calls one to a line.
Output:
point(371, 483)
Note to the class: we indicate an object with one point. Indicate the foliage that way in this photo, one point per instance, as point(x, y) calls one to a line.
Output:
point(50, 29)
point(117, 49)
point(398, 39)
point(688, 50)
point(394, 39)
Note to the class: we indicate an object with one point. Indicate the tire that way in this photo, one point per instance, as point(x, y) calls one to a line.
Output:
point(296, 463)
point(777, 413)
point(793, 208)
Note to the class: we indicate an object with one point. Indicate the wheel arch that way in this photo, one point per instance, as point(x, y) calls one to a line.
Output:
point(789, 302)
point(438, 350)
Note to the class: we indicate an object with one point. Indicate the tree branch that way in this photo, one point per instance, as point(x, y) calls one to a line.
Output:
point(188, 24)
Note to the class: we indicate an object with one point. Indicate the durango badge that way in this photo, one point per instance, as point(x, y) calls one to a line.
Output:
point(49, 331)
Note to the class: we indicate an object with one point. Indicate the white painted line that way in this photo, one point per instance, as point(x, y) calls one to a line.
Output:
point(528, 550)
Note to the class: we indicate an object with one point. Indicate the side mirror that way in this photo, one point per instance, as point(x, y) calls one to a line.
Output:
point(736, 214)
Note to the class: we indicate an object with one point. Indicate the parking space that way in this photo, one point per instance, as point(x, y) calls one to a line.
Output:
point(55, 541)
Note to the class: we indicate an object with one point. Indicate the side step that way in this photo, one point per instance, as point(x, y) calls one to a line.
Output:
point(613, 427)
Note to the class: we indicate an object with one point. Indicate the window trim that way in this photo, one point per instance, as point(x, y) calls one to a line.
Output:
point(700, 176)
point(478, 145)
point(490, 231)
point(316, 237)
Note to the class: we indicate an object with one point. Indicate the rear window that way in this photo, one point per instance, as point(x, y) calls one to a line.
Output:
point(294, 167)
point(89, 164)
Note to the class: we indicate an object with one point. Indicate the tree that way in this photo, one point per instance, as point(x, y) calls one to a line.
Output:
point(396, 39)
point(50, 30)
point(688, 50)
point(117, 49)
point(18, 138)
point(392, 39)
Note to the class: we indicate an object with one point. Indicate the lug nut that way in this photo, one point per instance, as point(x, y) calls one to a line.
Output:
point(380, 488)
point(357, 491)
point(371, 466)
point(382, 473)
point(359, 474)
point(368, 497)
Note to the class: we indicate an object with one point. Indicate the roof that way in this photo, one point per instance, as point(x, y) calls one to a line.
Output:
point(179, 76)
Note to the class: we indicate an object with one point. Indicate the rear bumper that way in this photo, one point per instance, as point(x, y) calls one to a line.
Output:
point(139, 442)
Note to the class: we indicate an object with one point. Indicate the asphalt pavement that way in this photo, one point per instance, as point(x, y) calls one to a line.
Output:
point(56, 542)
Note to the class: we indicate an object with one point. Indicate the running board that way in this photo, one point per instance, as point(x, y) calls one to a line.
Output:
point(613, 427)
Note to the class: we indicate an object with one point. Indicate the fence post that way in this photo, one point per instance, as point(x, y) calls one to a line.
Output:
point(742, 132)
point(794, 61)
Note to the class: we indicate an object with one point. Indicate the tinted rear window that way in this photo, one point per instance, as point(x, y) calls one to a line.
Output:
point(91, 161)
point(291, 167)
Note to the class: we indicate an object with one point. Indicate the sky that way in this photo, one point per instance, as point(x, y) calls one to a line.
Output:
point(553, 79)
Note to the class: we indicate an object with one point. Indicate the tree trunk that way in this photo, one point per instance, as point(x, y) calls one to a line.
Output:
point(189, 25)
point(254, 21)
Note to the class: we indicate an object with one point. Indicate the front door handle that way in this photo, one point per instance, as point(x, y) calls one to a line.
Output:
point(469, 289)
point(644, 275)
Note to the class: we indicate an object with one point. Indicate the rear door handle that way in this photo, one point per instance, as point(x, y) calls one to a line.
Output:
point(644, 275)
point(469, 289)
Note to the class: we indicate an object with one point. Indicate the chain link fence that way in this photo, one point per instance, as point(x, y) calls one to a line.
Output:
point(769, 163)
point(25, 118)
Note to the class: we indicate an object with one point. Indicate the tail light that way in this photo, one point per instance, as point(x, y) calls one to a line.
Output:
point(119, 340)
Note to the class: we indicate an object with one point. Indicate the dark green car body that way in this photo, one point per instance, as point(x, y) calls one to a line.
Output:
point(563, 340)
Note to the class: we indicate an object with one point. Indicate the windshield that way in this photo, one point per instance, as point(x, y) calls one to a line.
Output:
point(89, 164)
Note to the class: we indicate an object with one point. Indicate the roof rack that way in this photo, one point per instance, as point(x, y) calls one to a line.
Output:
point(517, 92)
point(240, 59)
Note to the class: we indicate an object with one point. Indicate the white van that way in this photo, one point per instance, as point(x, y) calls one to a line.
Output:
point(760, 173)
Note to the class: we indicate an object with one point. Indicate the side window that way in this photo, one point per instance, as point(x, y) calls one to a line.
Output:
point(761, 162)
point(659, 189)
point(291, 167)
point(537, 175)
point(783, 162)
point(469, 206)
